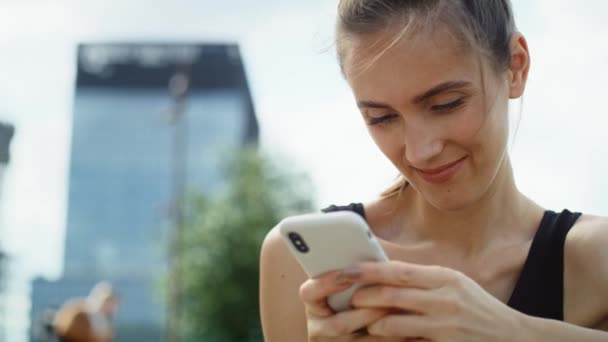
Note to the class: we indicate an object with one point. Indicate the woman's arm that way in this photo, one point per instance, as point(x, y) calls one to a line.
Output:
point(282, 312)
point(538, 329)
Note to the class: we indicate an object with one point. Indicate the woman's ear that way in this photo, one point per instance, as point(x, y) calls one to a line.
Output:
point(519, 67)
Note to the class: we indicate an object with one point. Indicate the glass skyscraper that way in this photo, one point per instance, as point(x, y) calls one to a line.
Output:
point(134, 145)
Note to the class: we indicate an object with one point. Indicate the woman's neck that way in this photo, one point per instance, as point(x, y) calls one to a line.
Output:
point(500, 212)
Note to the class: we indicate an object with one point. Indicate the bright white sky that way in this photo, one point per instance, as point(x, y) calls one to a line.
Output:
point(305, 110)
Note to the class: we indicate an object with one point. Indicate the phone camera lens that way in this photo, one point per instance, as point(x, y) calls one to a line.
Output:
point(298, 242)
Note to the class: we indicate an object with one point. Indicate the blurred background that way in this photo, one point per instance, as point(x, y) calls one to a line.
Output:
point(152, 145)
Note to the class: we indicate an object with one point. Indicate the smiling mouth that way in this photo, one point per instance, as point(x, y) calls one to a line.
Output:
point(441, 168)
point(443, 173)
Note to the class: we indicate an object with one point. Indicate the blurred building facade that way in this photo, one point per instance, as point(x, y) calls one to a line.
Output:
point(7, 132)
point(150, 121)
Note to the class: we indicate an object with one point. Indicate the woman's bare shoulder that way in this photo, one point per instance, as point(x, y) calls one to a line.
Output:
point(586, 272)
point(282, 312)
point(382, 212)
point(277, 260)
point(586, 242)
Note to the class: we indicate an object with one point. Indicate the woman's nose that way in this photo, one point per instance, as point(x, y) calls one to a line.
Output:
point(421, 146)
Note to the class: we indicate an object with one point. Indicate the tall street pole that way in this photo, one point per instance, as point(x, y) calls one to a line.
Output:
point(179, 88)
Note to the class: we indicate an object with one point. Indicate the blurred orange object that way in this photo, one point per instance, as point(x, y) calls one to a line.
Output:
point(87, 319)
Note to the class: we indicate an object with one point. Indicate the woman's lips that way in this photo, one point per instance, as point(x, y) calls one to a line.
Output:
point(443, 173)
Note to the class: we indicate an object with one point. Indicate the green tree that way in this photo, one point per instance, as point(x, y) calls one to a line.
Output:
point(222, 237)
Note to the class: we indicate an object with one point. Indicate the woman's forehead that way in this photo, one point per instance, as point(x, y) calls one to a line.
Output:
point(411, 65)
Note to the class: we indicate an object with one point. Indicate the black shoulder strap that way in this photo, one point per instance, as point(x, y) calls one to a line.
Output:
point(355, 207)
point(540, 288)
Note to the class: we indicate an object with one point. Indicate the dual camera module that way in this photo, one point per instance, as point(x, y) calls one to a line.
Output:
point(298, 242)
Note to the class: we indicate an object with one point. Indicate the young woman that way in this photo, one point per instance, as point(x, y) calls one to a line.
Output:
point(472, 258)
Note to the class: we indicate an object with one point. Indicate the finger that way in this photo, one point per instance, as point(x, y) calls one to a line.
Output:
point(314, 293)
point(344, 323)
point(406, 299)
point(400, 274)
point(405, 326)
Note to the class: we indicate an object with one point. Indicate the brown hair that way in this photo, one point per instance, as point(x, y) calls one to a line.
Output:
point(482, 26)
point(72, 323)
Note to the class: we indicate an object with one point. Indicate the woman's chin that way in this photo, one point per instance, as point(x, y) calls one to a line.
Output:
point(449, 198)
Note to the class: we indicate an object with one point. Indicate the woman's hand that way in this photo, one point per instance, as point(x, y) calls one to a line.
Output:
point(426, 302)
point(324, 324)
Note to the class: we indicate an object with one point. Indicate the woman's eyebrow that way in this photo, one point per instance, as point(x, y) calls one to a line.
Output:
point(372, 104)
point(450, 85)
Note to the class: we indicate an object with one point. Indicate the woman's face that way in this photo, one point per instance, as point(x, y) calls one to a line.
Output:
point(440, 119)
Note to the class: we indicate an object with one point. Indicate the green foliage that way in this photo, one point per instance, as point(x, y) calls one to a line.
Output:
point(222, 238)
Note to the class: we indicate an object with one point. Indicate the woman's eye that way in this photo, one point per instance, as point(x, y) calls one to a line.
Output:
point(448, 106)
point(382, 119)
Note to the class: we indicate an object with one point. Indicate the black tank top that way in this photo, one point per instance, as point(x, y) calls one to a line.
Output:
point(539, 291)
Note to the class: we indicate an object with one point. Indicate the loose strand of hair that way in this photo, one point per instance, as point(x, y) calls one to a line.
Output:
point(368, 63)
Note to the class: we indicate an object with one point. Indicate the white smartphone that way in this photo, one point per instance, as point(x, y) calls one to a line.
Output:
point(332, 241)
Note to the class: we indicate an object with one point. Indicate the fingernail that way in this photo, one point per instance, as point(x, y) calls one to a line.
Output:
point(343, 281)
point(350, 274)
